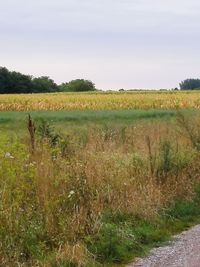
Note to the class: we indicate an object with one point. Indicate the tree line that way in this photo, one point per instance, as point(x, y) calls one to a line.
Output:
point(190, 84)
point(12, 82)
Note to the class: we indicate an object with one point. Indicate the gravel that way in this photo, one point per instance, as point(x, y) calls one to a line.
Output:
point(183, 251)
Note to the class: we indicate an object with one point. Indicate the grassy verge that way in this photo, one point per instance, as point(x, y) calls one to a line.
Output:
point(125, 236)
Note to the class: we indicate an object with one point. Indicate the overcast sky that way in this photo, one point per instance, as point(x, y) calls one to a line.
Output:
point(114, 43)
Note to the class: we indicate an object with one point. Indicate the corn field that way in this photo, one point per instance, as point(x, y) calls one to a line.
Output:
point(101, 101)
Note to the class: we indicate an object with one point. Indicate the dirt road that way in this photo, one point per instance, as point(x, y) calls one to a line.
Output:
point(184, 251)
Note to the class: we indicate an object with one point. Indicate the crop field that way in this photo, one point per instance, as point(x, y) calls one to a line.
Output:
point(101, 101)
point(95, 180)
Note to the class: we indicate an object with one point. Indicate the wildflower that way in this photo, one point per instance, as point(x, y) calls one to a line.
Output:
point(8, 155)
point(54, 158)
point(31, 164)
point(71, 193)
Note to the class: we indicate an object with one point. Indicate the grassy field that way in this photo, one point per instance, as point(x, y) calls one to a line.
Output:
point(95, 187)
point(101, 101)
point(64, 120)
point(86, 116)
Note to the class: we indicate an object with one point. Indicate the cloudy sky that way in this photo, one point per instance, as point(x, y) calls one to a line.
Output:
point(114, 43)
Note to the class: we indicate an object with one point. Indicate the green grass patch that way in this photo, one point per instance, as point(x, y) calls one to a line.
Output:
point(85, 116)
point(125, 236)
point(64, 121)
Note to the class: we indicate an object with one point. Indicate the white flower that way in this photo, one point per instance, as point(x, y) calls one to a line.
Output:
point(8, 155)
point(31, 164)
point(71, 193)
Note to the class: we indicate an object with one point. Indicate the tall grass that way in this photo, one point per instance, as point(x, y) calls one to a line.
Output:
point(71, 202)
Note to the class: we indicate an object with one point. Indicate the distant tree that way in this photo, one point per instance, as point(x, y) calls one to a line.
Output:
point(63, 87)
point(20, 83)
point(14, 82)
point(79, 85)
point(44, 84)
point(190, 84)
point(5, 80)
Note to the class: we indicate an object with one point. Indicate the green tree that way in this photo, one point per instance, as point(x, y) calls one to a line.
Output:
point(63, 87)
point(14, 82)
point(190, 84)
point(79, 85)
point(44, 84)
point(4, 80)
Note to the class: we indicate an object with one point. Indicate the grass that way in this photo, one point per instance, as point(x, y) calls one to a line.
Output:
point(86, 116)
point(105, 177)
point(123, 236)
point(98, 195)
point(68, 121)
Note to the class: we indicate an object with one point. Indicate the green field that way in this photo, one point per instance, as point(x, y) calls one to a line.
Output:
point(14, 119)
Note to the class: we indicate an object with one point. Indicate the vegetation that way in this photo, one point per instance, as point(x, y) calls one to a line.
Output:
point(96, 195)
point(79, 85)
point(190, 84)
point(12, 82)
point(84, 186)
point(44, 84)
point(68, 119)
point(101, 101)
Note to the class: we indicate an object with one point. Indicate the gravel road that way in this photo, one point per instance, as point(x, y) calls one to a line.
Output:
point(184, 251)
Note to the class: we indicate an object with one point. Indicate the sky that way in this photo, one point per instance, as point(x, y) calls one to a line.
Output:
point(149, 44)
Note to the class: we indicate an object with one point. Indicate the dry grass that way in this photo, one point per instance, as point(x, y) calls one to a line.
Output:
point(50, 202)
